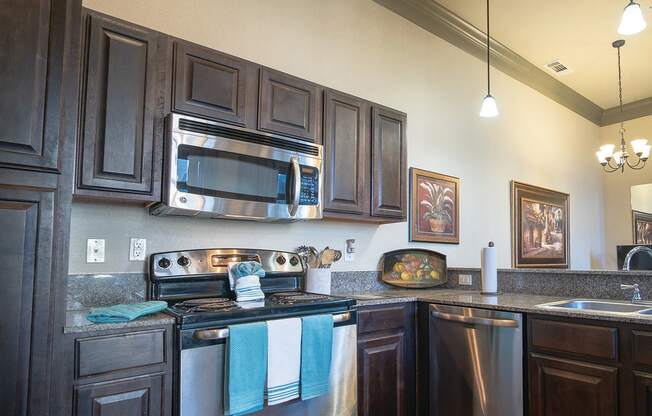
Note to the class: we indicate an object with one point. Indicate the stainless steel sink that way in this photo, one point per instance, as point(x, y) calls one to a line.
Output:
point(606, 306)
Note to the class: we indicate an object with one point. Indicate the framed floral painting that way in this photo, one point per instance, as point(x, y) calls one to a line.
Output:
point(642, 222)
point(540, 231)
point(434, 207)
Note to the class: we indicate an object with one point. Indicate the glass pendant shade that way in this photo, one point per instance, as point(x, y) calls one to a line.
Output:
point(602, 157)
point(608, 149)
point(489, 107)
point(632, 21)
point(639, 145)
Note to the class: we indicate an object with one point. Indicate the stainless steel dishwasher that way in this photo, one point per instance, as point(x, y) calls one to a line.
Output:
point(476, 362)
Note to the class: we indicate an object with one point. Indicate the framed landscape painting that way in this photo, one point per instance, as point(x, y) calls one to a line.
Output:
point(540, 230)
point(434, 207)
point(642, 222)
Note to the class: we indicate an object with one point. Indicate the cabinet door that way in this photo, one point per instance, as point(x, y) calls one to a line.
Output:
point(389, 160)
point(346, 154)
point(214, 85)
point(137, 396)
point(26, 221)
point(381, 374)
point(643, 393)
point(560, 387)
point(289, 105)
point(117, 144)
point(36, 66)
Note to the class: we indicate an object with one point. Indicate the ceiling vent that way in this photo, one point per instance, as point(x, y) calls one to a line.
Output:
point(558, 68)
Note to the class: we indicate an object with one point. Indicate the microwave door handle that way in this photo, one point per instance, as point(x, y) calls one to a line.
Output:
point(296, 175)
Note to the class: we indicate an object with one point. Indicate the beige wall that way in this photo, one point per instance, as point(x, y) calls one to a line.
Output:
point(617, 188)
point(363, 49)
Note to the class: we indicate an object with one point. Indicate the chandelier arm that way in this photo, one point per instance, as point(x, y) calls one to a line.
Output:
point(609, 168)
point(640, 164)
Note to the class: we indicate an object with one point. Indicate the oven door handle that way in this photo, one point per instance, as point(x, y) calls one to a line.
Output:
point(296, 175)
point(223, 333)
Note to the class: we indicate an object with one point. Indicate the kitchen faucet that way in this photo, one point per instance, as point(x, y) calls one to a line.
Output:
point(632, 252)
point(636, 296)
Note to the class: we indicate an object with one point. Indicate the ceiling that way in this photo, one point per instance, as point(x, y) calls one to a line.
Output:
point(579, 34)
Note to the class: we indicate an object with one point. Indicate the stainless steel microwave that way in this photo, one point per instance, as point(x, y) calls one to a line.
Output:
point(219, 171)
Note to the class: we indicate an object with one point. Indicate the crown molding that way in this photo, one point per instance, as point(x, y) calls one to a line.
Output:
point(445, 24)
point(636, 109)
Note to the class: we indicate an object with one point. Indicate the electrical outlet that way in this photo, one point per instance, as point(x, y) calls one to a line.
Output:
point(95, 250)
point(349, 250)
point(137, 248)
point(466, 279)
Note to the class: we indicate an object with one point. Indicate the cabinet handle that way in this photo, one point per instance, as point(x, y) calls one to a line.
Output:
point(475, 320)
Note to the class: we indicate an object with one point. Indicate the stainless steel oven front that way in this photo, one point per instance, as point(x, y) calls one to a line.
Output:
point(201, 374)
point(218, 171)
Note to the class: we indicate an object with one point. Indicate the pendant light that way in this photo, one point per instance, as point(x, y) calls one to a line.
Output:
point(632, 21)
point(615, 159)
point(489, 107)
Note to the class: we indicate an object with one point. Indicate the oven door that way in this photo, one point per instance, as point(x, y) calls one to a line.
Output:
point(224, 176)
point(201, 381)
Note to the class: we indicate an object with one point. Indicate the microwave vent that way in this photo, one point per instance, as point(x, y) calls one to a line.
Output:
point(247, 136)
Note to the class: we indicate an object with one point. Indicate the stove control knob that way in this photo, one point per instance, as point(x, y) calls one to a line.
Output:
point(183, 261)
point(294, 260)
point(164, 263)
point(280, 260)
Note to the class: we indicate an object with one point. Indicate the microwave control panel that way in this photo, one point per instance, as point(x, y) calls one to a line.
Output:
point(309, 186)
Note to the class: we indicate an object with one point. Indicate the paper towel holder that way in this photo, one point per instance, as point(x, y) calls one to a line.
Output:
point(482, 291)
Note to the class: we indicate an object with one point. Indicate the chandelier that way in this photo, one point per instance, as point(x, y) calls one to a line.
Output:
point(612, 160)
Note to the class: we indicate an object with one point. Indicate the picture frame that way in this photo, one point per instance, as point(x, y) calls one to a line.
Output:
point(540, 227)
point(642, 227)
point(434, 207)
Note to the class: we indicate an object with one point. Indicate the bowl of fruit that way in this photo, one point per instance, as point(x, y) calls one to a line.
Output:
point(414, 268)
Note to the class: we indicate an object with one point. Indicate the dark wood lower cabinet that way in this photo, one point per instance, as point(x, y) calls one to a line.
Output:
point(386, 360)
point(560, 387)
point(137, 396)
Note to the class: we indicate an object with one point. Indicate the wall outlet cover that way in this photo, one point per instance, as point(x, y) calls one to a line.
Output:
point(95, 249)
point(137, 249)
point(465, 279)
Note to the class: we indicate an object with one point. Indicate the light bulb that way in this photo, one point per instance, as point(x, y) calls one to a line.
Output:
point(489, 107)
point(638, 145)
point(602, 158)
point(608, 150)
point(618, 157)
point(632, 21)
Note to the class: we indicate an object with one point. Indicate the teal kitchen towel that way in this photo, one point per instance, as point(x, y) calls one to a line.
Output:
point(124, 312)
point(245, 369)
point(316, 350)
point(247, 268)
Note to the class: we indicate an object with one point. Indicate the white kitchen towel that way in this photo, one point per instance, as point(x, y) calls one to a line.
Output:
point(247, 288)
point(283, 360)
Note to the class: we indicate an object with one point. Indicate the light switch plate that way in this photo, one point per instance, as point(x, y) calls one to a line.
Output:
point(466, 279)
point(95, 250)
point(349, 250)
point(137, 249)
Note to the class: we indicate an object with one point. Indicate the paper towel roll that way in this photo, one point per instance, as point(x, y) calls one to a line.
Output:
point(489, 270)
point(318, 281)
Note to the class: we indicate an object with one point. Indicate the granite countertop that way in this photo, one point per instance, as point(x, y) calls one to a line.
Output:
point(76, 322)
point(516, 302)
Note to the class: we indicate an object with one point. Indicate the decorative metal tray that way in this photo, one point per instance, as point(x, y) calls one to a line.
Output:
point(414, 268)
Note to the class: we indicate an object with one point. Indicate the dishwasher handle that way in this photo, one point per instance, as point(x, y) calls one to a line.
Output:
point(474, 320)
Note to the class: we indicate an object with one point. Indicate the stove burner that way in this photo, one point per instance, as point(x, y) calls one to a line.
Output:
point(289, 298)
point(206, 305)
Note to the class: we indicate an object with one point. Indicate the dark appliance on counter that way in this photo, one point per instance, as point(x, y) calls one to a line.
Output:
point(195, 284)
point(218, 171)
point(640, 261)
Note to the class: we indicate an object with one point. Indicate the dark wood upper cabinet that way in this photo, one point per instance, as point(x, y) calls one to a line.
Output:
point(560, 387)
point(36, 63)
point(389, 163)
point(26, 220)
point(211, 84)
point(346, 160)
point(289, 105)
point(118, 153)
